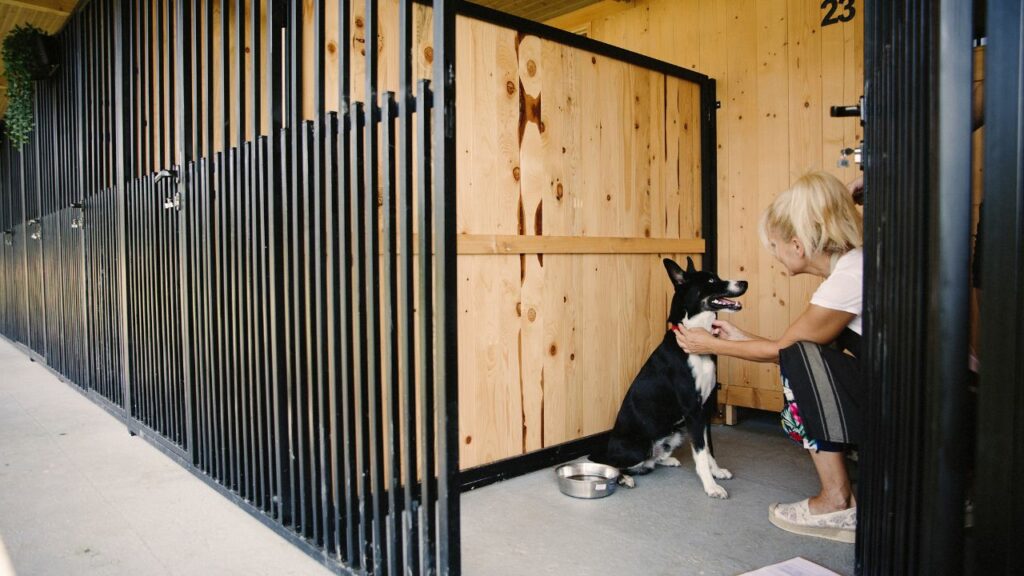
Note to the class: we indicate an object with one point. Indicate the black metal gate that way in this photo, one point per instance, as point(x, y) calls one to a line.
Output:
point(917, 227)
point(263, 291)
point(1000, 442)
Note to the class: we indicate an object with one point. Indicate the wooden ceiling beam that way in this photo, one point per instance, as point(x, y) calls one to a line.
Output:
point(58, 7)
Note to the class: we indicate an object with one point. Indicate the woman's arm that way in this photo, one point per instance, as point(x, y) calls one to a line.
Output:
point(816, 324)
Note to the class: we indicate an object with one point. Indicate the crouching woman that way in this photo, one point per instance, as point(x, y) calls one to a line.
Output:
point(812, 228)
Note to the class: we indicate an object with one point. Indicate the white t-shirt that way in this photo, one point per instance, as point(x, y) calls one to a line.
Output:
point(844, 288)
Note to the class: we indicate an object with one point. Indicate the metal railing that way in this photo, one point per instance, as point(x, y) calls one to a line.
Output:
point(275, 308)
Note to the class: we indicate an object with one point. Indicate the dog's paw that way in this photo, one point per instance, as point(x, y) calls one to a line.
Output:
point(670, 461)
point(721, 474)
point(716, 491)
point(627, 481)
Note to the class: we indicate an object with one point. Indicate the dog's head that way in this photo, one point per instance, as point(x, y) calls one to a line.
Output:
point(699, 291)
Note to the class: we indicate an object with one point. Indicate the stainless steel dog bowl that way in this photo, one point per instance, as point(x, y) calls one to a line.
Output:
point(587, 479)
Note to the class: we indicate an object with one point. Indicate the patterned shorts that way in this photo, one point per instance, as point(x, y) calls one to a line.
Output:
point(793, 424)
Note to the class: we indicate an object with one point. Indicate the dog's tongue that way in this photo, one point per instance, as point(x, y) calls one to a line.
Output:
point(727, 303)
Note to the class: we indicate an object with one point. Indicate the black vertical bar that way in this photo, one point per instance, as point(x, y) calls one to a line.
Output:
point(199, 103)
point(357, 425)
point(121, 183)
point(425, 375)
point(257, 295)
point(240, 76)
point(343, 373)
point(208, 56)
point(294, 109)
point(218, 196)
point(945, 463)
point(264, 349)
point(709, 173)
point(332, 302)
point(78, 135)
point(84, 189)
point(257, 55)
point(319, 344)
point(407, 344)
point(159, 71)
point(445, 293)
point(209, 295)
point(183, 69)
point(371, 294)
point(307, 408)
point(234, 381)
point(150, 91)
point(278, 365)
point(40, 261)
point(225, 76)
point(389, 342)
point(1000, 456)
point(251, 360)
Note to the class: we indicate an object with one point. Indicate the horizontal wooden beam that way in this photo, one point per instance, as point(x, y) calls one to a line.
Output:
point(59, 7)
point(494, 244)
point(760, 398)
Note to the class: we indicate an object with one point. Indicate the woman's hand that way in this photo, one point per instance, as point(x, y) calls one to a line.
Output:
point(695, 341)
point(726, 331)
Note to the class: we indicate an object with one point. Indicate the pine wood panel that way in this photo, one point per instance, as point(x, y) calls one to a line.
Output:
point(593, 159)
point(778, 71)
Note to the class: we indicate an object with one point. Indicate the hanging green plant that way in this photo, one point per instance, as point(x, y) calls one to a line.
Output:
point(28, 56)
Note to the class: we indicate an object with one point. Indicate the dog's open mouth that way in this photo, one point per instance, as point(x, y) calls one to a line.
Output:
point(725, 304)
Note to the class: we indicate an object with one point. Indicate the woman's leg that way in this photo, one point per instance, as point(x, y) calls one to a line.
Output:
point(836, 493)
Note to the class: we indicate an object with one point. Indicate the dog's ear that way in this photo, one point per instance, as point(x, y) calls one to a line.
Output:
point(689, 266)
point(675, 273)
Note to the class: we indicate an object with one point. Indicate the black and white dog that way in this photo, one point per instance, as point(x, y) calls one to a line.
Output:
point(669, 394)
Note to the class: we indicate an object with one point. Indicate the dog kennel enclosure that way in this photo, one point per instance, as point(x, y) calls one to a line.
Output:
point(345, 261)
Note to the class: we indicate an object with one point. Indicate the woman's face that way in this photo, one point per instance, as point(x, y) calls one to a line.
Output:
point(788, 252)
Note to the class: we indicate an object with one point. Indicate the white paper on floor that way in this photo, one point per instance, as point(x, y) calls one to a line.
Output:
point(793, 567)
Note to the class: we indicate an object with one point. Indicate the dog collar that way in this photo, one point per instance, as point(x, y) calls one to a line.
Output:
point(674, 327)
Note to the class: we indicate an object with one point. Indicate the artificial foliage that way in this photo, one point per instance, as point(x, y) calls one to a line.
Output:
point(24, 61)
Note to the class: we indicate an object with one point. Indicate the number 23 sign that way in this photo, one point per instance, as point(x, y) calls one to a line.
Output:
point(838, 11)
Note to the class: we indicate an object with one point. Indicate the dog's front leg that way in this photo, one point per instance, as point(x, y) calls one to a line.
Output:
point(702, 460)
point(716, 471)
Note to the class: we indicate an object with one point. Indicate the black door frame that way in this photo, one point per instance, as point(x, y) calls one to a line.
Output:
point(998, 536)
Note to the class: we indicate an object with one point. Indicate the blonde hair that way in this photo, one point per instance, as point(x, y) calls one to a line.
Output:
point(819, 210)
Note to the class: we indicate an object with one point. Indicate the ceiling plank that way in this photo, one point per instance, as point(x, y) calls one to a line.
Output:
point(58, 7)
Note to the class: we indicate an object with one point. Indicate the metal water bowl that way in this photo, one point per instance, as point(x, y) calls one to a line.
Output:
point(587, 479)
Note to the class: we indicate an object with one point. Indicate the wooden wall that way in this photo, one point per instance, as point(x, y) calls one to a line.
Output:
point(594, 157)
point(778, 71)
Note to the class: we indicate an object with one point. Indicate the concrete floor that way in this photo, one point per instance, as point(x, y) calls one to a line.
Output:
point(78, 495)
point(665, 526)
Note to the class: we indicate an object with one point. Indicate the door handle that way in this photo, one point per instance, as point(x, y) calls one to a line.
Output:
point(165, 174)
point(172, 202)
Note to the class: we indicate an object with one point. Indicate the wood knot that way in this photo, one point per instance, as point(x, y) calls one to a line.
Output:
point(559, 191)
point(515, 173)
point(510, 87)
point(531, 68)
point(428, 53)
